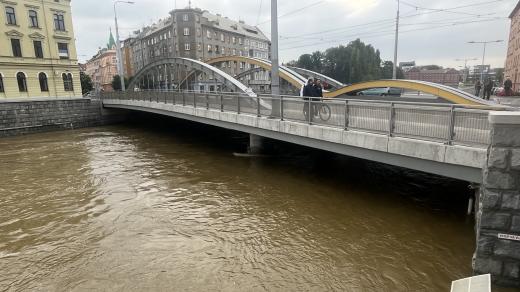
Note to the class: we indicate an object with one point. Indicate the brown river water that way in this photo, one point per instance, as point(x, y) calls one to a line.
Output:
point(143, 207)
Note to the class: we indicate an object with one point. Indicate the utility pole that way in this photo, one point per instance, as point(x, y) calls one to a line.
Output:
point(394, 74)
point(466, 69)
point(118, 47)
point(275, 74)
point(484, 43)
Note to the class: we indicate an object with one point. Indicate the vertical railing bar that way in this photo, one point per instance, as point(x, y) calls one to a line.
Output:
point(207, 101)
point(392, 120)
point(258, 106)
point(221, 102)
point(183, 98)
point(346, 114)
point(451, 129)
point(281, 108)
point(238, 104)
point(309, 111)
point(194, 100)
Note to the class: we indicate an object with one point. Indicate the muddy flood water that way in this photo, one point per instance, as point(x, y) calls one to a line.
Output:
point(165, 206)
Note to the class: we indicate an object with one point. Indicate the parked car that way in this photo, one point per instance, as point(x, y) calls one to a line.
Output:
point(382, 91)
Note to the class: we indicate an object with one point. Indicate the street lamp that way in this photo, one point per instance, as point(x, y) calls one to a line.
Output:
point(394, 74)
point(118, 47)
point(484, 57)
point(466, 70)
point(275, 74)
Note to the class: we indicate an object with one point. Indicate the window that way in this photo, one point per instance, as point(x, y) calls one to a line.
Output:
point(209, 48)
point(199, 47)
point(234, 40)
point(208, 33)
point(187, 47)
point(10, 15)
point(33, 18)
point(44, 86)
point(185, 17)
point(67, 82)
point(2, 83)
point(186, 31)
point(59, 22)
point(38, 50)
point(22, 81)
point(17, 49)
point(240, 41)
point(222, 37)
point(63, 50)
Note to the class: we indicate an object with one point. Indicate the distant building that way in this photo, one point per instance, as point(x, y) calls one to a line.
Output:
point(37, 50)
point(197, 34)
point(405, 66)
point(128, 58)
point(513, 52)
point(103, 67)
point(450, 77)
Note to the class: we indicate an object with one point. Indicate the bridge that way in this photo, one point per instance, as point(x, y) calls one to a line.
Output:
point(464, 138)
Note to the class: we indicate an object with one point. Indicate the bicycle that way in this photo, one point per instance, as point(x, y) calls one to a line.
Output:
point(323, 110)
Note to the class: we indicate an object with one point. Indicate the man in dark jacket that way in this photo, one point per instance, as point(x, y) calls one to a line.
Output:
point(478, 87)
point(508, 87)
point(488, 87)
point(309, 90)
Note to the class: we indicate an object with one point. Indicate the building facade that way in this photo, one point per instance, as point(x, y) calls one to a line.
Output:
point(197, 34)
point(450, 77)
point(102, 68)
point(37, 50)
point(513, 52)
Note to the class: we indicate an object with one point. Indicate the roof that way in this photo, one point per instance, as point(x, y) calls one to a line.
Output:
point(237, 26)
point(513, 13)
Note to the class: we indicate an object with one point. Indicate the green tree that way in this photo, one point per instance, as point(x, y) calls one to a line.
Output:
point(86, 83)
point(116, 82)
point(387, 70)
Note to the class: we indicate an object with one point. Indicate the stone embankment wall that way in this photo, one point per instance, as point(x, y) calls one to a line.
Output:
point(498, 217)
point(18, 117)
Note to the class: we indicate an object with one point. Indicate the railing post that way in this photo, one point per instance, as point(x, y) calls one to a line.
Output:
point(346, 114)
point(183, 99)
point(258, 106)
point(391, 121)
point(194, 99)
point(281, 107)
point(221, 102)
point(451, 130)
point(238, 104)
point(207, 101)
point(310, 111)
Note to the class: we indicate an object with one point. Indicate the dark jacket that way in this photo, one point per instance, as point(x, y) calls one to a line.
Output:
point(488, 85)
point(508, 84)
point(318, 90)
point(309, 90)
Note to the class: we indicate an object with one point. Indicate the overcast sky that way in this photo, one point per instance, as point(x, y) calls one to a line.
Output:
point(428, 35)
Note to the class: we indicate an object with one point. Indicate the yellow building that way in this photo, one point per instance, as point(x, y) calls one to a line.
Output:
point(37, 50)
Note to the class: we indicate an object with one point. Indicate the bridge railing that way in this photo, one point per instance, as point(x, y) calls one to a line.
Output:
point(450, 124)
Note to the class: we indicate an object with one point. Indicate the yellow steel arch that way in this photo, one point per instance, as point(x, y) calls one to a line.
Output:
point(262, 64)
point(447, 93)
point(452, 95)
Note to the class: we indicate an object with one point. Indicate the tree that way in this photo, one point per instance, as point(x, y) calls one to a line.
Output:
point(387, 71)
point(116, 82)
point(86, 83)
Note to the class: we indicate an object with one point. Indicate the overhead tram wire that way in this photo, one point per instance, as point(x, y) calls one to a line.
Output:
point(333, 36)
point(259, 13)
point(386, 33)
point(294, 11)
point(403, 16)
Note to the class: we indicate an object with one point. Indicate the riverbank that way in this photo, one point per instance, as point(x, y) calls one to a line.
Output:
point(25, 116)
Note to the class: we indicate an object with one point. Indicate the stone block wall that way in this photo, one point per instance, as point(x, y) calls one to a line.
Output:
point(31, 116)
point(498, 216)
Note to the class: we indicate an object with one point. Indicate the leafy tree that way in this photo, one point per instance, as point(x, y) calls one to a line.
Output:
point(387, 70)
point(86, 83)
point(116, 82)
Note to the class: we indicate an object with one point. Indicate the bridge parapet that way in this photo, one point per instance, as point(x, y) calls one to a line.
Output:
point(498, 216)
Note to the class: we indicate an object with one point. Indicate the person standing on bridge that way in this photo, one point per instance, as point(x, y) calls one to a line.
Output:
point(478, 87)
point(318, 90)
point(309, 91)
point(488, 87)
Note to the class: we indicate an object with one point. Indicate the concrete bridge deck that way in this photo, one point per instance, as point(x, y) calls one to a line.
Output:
point(444, 140)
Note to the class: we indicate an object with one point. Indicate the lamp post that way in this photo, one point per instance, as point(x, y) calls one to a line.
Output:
point(275, 74)
point(394, 73)
point(118, 47)
point(484, 43)
point(466, 70)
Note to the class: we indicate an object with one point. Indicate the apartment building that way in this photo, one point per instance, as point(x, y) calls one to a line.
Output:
point(37, 50)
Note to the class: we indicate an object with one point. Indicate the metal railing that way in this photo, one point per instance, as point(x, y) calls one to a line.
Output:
point(446, 123)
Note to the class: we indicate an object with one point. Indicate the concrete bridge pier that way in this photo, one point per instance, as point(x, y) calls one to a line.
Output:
point(498, 213)
point(256, 144)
